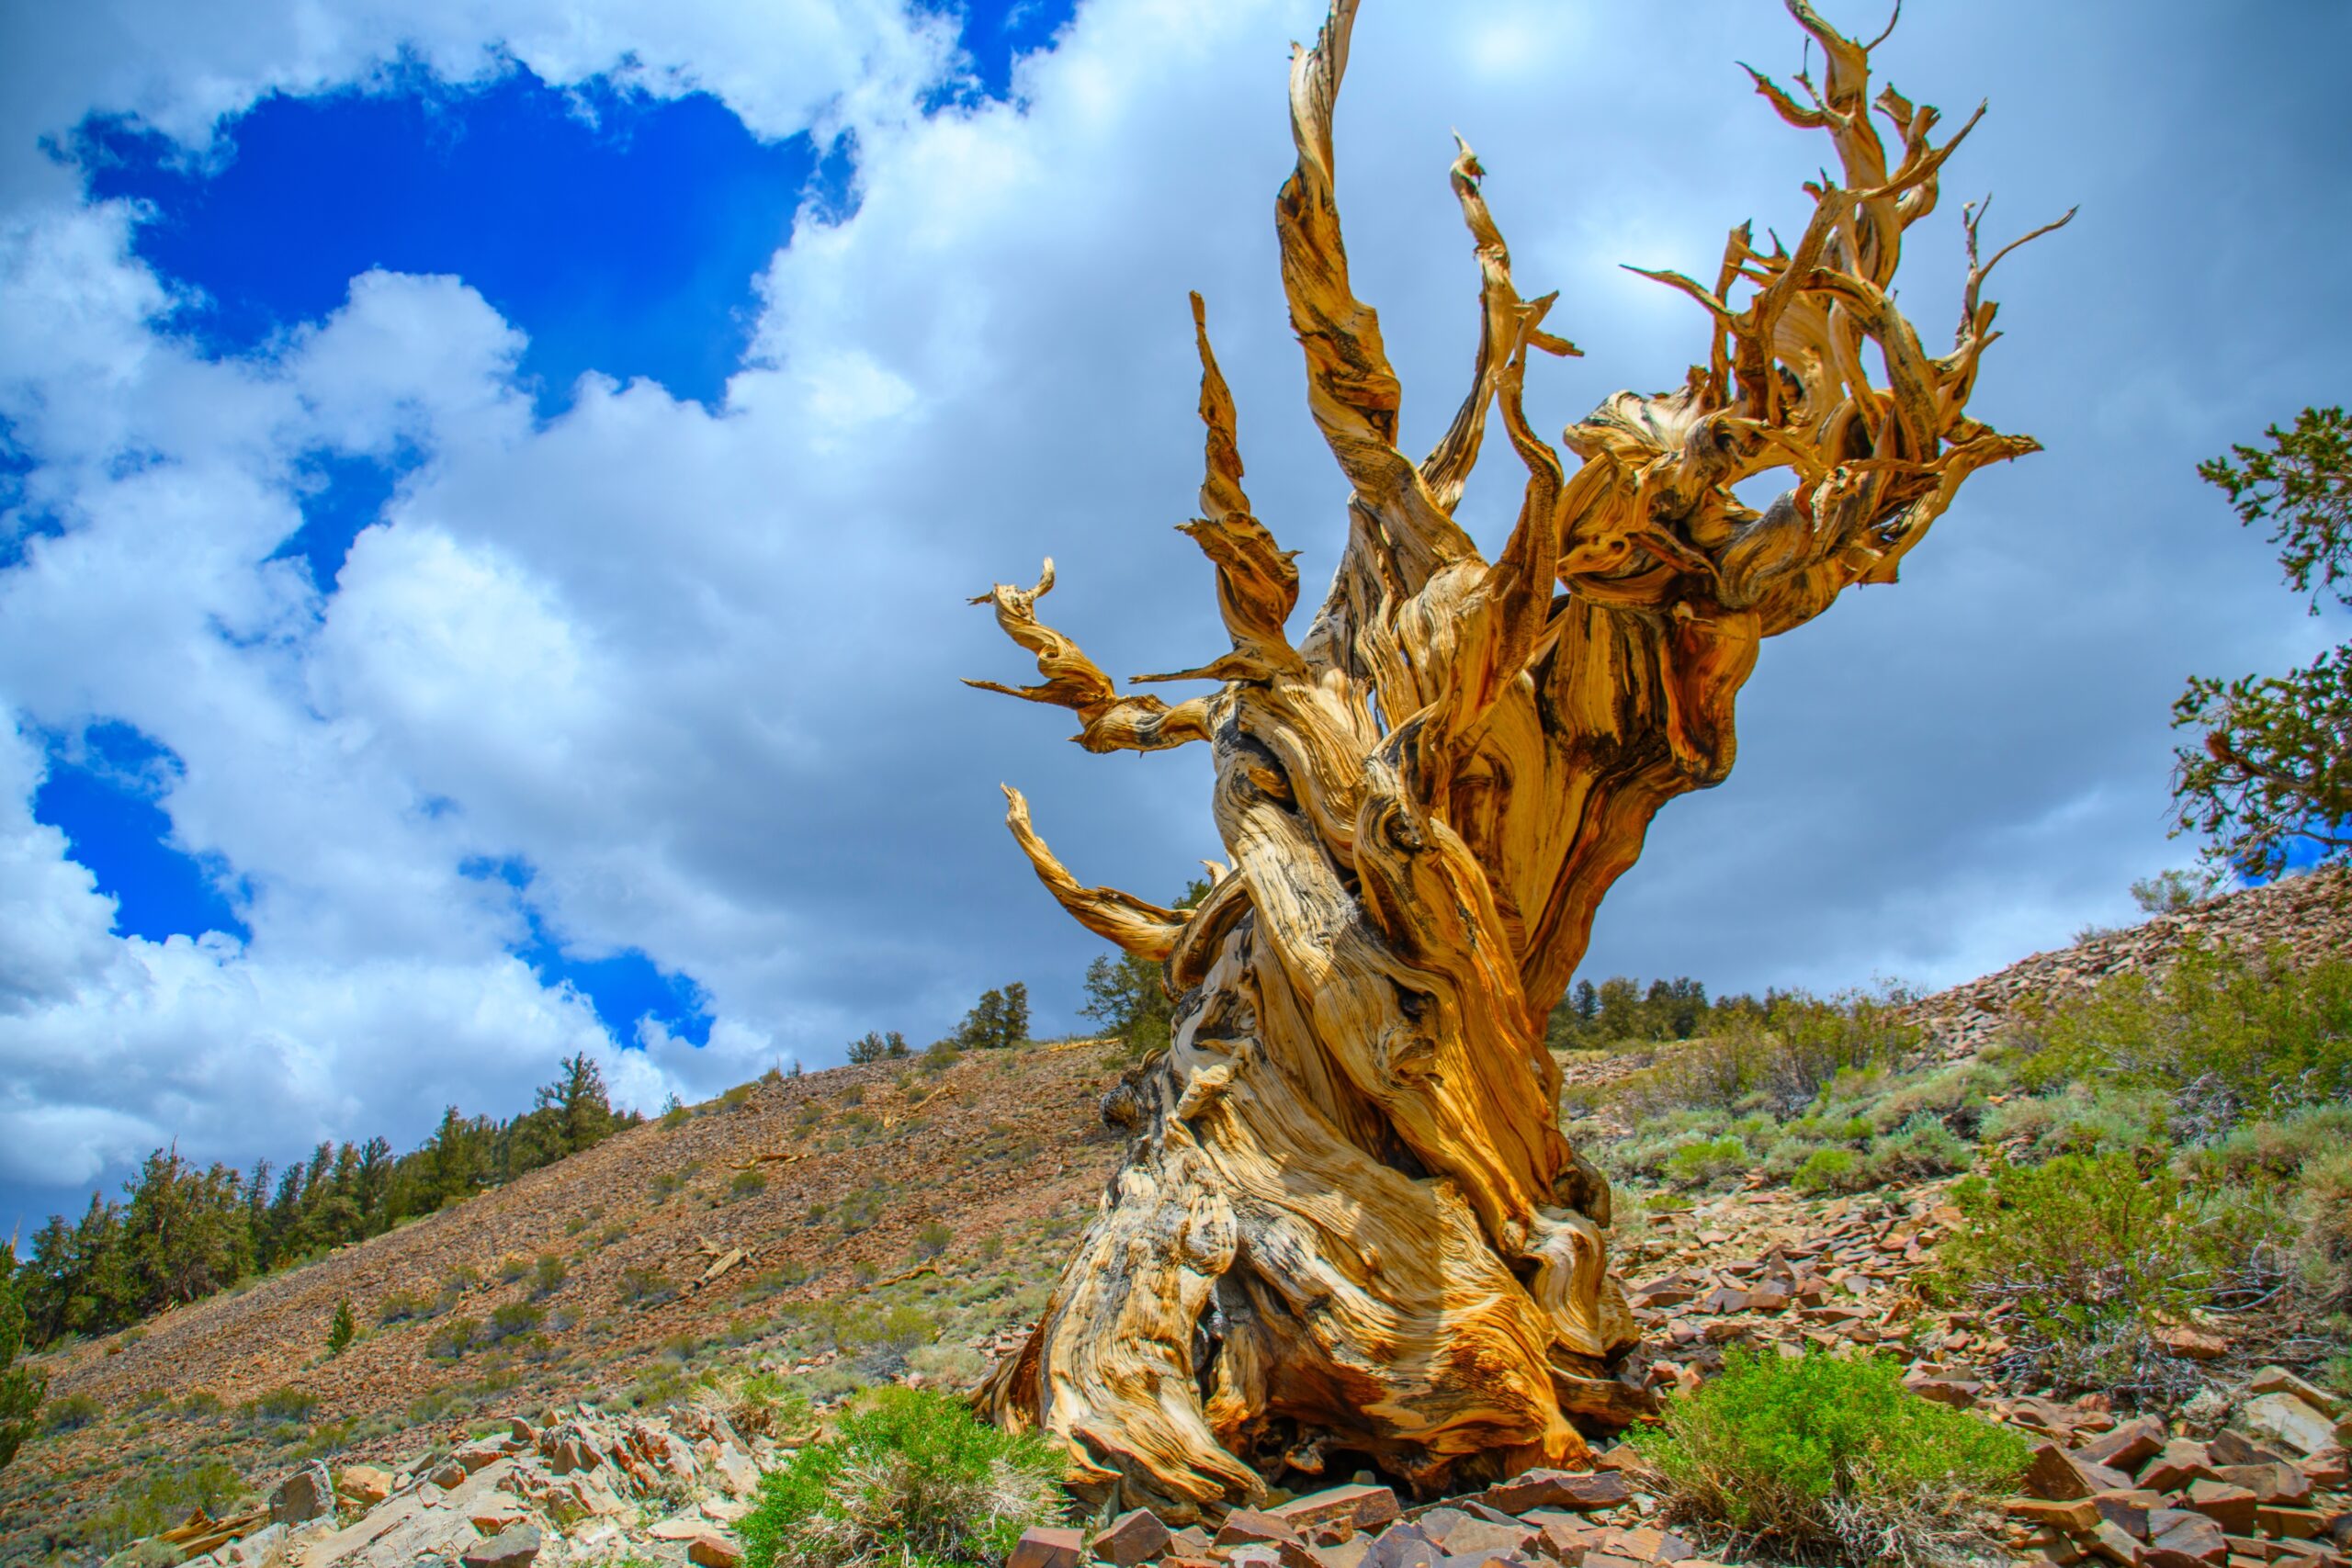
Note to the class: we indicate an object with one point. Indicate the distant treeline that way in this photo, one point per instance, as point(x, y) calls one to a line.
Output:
point(998, 1021)
point(185, 1232)
point(1619, 1009)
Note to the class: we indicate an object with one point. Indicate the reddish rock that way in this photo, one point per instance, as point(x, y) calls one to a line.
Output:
point(1132, 1537)
point(2293, 1524)
point(1957, 1393)
point(2278, 1486)
point(1559, 1489)
point(2127, 1511)
point(2228, 1505)
point(2049, 1474)
point(1355, 1507)
point(2198, 1537)
point(2075, 1516)
point(1048, 1547)
point(2193, 1344)
point(2179, 1462)
point(364, 1484)
point(2114, 1542)
point(1646, 1545)
point(1245, 1526)
point(515, 1547)
point(2128, 1446)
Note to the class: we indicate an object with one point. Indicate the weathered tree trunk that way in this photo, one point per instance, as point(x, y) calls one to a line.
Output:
point(1347, 1229)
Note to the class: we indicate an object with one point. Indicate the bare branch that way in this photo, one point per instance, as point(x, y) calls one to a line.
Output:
point(1351, 388)
point(1122, 918)
point(1113, 723)
point(1257, 585)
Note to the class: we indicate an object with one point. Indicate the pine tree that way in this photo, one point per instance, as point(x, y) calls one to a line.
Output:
point(22, 1388)
point(340, 1331)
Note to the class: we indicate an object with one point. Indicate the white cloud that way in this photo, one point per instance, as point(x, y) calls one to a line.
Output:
point(697, 667)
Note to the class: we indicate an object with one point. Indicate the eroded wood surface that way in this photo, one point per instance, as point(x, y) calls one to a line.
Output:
point(1347, 1229)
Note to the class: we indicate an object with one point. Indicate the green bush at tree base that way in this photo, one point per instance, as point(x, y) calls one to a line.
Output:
point(1826, 1457)
point(913, 1481)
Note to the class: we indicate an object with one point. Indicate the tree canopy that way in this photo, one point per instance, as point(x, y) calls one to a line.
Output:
point(2271, 781)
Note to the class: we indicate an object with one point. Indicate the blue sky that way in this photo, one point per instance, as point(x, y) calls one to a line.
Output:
point(622, 233)
point(487, 503)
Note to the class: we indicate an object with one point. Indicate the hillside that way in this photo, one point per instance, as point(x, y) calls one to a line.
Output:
point(904, 1224)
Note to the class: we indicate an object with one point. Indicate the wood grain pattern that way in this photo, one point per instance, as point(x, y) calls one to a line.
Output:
point(1347, 1229)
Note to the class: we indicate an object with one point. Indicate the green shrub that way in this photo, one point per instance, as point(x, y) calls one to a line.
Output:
point(161, 1495)
point(454, 1338)
point(930, 1240)
point(1922, 1147)
point(400, 1307)
point(914, 1480)
point(341, 1329)
point(643, 1286)
point(2227, 1036)
point(2278, 1150)
point(766, 1406)
point(2324, 1232)
point(71, 1413)
point(1781, 1062)
point(1821, 1455)
point(513, 1319)
point(746, 1184)
point(1830, 1171)
point(547, 1274)
point(1709, 1160)
point(2094, 1254)
point(286, 1406)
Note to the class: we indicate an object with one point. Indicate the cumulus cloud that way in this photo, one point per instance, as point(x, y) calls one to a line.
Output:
point(696, 668)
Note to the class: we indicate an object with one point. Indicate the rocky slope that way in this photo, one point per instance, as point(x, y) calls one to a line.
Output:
point(781, 1225)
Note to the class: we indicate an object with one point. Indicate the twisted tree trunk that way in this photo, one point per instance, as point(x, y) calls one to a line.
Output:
point(1347, 1229)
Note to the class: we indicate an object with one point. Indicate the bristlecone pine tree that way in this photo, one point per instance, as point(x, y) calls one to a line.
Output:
point(1347, 1229)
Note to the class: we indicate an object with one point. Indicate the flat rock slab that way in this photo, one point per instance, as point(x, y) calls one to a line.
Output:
point(514, 1546)
point(1049, 1547)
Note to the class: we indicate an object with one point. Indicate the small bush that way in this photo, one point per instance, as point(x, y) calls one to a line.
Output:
point(71, 1413)
point(931, 1240)
point(1922, 1148)
point(746, 1184)
point(286, 1406)
point(400, 1307)
point(161, 1496)
point(2094, 1254)
point(1820, 1455)
point(915, 1479)
point(341, 1329)
point(1830, 1171)
point(861, 1209)
point(548, 1275)
point(767, 1407)
point(2324, 1237)
point(1709, 1160)
point(643, 1286)
point(2228, 1036)
point(1781, 1062)
point(454, 1338)
point(513, 1318)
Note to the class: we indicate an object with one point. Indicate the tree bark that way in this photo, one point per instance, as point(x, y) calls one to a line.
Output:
point(1348, 1230)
